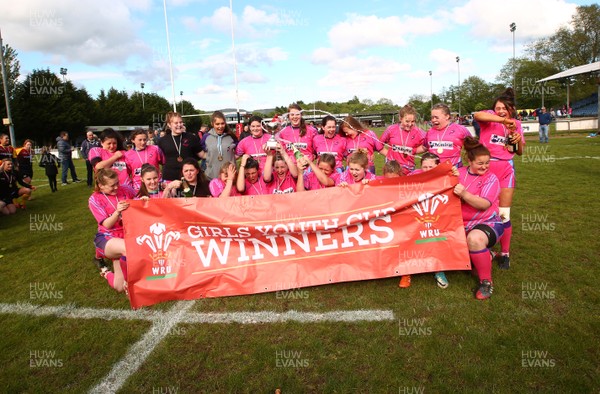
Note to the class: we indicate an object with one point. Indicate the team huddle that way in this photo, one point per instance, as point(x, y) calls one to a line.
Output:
point(298, 158)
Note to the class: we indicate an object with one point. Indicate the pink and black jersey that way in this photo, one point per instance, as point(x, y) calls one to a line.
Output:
point(282, 186)
point(254, 147)
point(257, 188)
point(103, 205)
point(335, 146)
point(366, 140)
point(494, 135)
point(136, 158)
point(311, 182)
point(486, 186)
point(447, 143)
point(99, 154)
point(217, 186)
point(291, 135)
point(402, 145)
point(347, 177)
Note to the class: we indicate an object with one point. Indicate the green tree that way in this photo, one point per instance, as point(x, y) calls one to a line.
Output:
point(44, 105)
point(572, 45)
point(13, 71)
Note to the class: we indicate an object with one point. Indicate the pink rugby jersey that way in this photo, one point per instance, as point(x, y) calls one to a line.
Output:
point(103, 205)
point(311, 182)
point(486, 186)
point(136, 158)
point(493, 136)
point(120, 166)
point(367, 140)
point(347, 177)
point(291, 135)
point(282, 186)
point(217, 186)
point(257, 188)
point(335, 146)
point(254, 147)
point(447, 143)
point(402, 145)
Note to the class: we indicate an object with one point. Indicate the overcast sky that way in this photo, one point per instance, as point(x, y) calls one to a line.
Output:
point(286, 51)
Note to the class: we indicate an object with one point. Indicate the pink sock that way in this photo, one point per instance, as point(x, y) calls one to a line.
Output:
point(482, 260)
point(506, 237)
point(110, 278)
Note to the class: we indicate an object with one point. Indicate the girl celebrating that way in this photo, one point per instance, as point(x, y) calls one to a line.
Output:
point(286, 172)
point(299, 134)
point(150, 187)
point(403, 139)
point(250, 181)
point(193, 182)
point(357, 171)
point(106, 204)
point(445, 139)
point(177, 146)
point(218, 145)
point(322, 174)
point(330, 143)
point(479, 190)
point(111, 155)
point(357, 136)
point(141, 154)
point(502, 134)
point(223, 185)
point(253, 146)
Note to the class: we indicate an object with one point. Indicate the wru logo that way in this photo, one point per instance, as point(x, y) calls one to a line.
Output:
point(159, 241)
point(427, 205)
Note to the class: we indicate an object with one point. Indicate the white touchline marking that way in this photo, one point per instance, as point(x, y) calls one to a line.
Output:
point(577, 157)
point(138, 353)
point(72, 312)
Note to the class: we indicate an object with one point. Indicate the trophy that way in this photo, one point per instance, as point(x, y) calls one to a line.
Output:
point(272, 143)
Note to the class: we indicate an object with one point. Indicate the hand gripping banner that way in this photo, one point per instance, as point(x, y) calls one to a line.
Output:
point(190, 248)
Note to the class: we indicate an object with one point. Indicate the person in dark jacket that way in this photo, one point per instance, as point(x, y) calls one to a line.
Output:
point(64, 154)
point(90, 142)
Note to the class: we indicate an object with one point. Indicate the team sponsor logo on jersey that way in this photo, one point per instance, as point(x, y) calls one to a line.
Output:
point(119, 166)
point(446, 145)
point(498, 140)
point(407, 150)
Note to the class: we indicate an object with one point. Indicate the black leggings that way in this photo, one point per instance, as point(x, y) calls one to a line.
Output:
point(52, 182)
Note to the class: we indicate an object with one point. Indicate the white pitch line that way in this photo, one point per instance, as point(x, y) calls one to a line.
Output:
point(138, 353)
point(279, 317)
point(72, 312)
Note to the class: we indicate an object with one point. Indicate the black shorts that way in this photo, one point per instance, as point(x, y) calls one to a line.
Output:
point(493, 232)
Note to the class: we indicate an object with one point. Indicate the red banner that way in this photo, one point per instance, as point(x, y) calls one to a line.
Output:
point(182, 249)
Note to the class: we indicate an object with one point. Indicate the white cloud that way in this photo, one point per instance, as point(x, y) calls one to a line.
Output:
point(367, 31)
point(86, 31)
point(353, 72)
point(253, 22)
point(534, 18)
